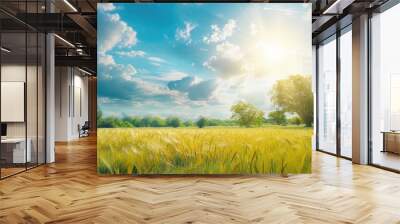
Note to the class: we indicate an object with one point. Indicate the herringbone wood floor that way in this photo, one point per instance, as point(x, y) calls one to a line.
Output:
point(70, 191)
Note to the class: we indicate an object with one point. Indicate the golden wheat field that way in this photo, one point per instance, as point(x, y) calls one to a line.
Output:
point(218, 150)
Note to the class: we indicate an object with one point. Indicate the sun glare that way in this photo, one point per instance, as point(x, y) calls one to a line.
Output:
point(271, 52)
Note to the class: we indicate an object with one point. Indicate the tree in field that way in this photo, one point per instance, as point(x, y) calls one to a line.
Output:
point(113, 122)
point(247, 114)
point(157, 122)
point(146, 122)
point(294, 94)
point(99, 114)
point(294, 120)
point(188, 123)
point(277, 117)
point(173, 122)
point(135, 121)
point(99, 117)
point(202, 122)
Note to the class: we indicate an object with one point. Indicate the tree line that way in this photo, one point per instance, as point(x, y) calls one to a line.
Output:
point(292, 98)
point(155, 121)
point(175, 122)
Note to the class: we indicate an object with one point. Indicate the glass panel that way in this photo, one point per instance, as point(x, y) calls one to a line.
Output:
point(31, 98)
point(346, 94)
point(314, 85)
point(23, 90)
point(41, 99)
point(386, 89)
point(32, 88)
point(327, 97)
point(13, 86)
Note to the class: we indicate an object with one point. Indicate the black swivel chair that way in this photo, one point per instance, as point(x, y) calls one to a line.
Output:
point(84, 130)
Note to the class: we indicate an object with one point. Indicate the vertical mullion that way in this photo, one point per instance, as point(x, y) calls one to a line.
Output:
point(26, 85)
point(317, 96)
point(338, 81)
point(369, 89)
point(37, 88)
point(45, 87)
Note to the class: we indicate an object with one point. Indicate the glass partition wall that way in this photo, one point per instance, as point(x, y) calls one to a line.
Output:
point(345, 62)
point(334, 114)
point(22, 77)
point(385, 89)
point(327, 95)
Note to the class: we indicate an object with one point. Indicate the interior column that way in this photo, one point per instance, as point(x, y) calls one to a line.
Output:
point(360, 90)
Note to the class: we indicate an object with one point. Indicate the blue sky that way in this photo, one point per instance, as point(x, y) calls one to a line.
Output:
point(193, 60)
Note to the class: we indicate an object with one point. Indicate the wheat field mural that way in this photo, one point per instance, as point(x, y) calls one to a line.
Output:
point(204, 89)
point(207, 151)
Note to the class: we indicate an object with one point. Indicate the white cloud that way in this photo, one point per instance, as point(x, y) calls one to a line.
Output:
point(165, 77)
point(156, 60)
point(106, 7)
point(119, 82)
point(185, 33)
point(112, 70)
point(228, 50)
point(194, 88)
point(132, 53)
point(128, 72)
point(172, 75)
point(114, 32)
point(104, 100)
point(286, 12)
point(227, 62)
point(220, 34)
point(253, 29)
point(106, 59)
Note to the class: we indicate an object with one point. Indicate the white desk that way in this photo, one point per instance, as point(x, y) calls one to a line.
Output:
point(19, 155)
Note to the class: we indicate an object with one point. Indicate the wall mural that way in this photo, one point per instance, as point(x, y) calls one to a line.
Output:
point(204, 88)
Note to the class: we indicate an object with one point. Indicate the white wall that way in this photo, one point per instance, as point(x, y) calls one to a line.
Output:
point(71, 94)
point(80, 103)
point(62, 81)
point(12, 73)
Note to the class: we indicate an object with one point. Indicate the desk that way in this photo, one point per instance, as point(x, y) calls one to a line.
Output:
point(13, 150)
point(391, 141)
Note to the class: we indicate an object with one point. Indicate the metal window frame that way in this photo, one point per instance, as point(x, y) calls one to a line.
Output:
point(381, 9)
point(44, 75)
point(387, 5)
point(337, 35)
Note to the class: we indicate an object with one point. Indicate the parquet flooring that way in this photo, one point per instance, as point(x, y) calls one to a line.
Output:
point(70, 191)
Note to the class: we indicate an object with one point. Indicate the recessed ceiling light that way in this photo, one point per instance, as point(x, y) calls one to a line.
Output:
point(70, 5)
point(64, 40)
point(337, 7)
point(84, 71)
point(5, 50)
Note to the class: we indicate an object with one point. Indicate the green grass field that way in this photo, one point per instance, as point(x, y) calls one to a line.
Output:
point(218, 150)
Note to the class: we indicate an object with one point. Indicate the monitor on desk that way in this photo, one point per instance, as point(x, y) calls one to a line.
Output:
point(3, 130)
